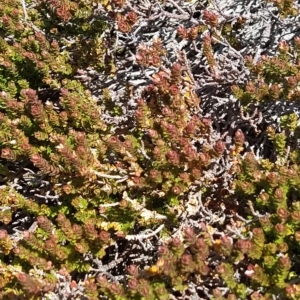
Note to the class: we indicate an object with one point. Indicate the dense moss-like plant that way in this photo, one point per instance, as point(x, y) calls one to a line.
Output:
point(273, 77)
point(271, 190)
point(76, 186)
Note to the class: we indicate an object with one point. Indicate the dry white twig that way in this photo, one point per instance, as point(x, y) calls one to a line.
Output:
point(143, 236)
point(24, 9)
point(101, 175)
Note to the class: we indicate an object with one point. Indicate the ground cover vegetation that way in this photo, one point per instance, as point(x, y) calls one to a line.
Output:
point(149, 149)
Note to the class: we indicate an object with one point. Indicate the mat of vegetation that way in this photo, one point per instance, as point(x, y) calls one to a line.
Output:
point(149, 149)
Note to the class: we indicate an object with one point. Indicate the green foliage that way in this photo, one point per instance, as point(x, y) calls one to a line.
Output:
point(285, 8)
point(110, 182)
point(270, 190)
point(71, 144)
point(273, 78)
